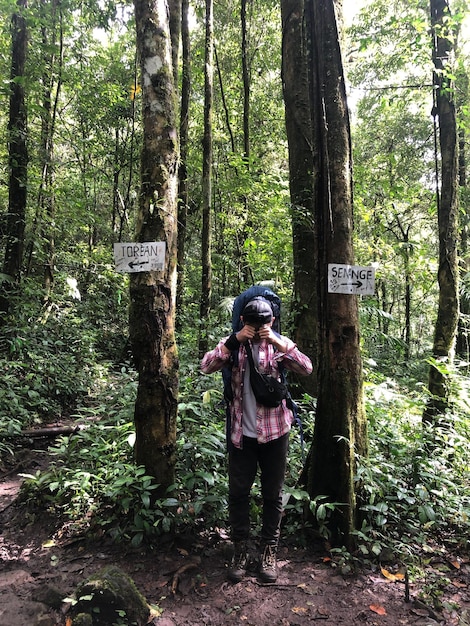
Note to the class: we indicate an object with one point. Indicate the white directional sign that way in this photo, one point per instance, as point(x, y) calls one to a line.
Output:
point(139, 257)
point(351, 279)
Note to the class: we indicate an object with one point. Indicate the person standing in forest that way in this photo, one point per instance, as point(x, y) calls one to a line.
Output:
point(258, 435)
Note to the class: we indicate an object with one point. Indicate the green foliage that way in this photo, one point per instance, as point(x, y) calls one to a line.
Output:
point(413, 488)
point(409, 499)
point(53, 353)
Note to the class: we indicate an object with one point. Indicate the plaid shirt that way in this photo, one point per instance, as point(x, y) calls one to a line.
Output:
point(272, 422)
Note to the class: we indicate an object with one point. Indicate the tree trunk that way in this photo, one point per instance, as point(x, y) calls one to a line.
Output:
point(448, 305)
point(206, 279)
point(183, 171)
point(175, 8)
point(52, 82)
point(246, 84)
point(302, 180)
point(463, 332)
point(152, 294)
point(340, 426)
point(17, 157)
point(244, 266)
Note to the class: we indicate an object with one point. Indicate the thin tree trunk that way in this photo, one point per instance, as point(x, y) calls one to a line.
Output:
point(52, 82)
point(448, 305)
point(404, 239)
point(206, 279)
point(183, 170)
point(175, 8)
point(153, 294)
point(246, 84)
point(17, 158)
point(244, 267)
point(463, 332)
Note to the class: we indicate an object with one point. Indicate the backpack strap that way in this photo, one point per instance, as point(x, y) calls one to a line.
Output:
point(228, 396)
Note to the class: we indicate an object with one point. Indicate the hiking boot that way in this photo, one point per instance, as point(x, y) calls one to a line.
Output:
point(268, 564)
point(237, 569)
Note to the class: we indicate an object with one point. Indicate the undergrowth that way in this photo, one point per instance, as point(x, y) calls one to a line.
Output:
point(413, 493)
point(412, 490)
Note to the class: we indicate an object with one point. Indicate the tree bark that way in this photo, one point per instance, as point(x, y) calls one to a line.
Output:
point(183, 196)
point(246, 83)
point(17, 157)
point(463, 331)
point(175, 9)
point(52, 39)
point(340, 426)
point(206, 279)
point(302, 181)
point(448, 306)
point(152, 294)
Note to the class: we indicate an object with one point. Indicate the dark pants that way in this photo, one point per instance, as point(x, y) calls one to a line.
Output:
point(243, 464)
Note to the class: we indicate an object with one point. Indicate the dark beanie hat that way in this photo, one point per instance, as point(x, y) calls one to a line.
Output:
point(258, 310)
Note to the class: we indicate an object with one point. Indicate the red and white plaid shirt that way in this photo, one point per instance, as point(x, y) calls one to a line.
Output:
point(272, 422)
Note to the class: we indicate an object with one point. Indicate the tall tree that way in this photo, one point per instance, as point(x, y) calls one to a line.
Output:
point(206, 279)
point(443, 49)
point(246, 83)
point(17, 156)
point(175, 8)
point(340, 428)
point(463, 334)
point(52, 40)
point(153, 293)
point(183, 193)
point(302, 177)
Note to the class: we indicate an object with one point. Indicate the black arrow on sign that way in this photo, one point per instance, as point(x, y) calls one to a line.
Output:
point(356, 284)
point(133, 264)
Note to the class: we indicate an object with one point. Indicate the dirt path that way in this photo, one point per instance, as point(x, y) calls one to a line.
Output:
point(185, 579)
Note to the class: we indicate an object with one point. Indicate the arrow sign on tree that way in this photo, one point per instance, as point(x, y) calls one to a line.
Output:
point(351, 279)
point(139, 257)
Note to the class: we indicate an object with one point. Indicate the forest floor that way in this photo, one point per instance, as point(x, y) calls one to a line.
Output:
point(184, 579)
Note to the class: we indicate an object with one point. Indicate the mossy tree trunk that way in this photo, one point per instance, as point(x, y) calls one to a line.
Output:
point(153, 294)
point(183, 190)
point(463, 331)
point(340, 425)
point(447, 200)
point(302, 181)
point(206, 244)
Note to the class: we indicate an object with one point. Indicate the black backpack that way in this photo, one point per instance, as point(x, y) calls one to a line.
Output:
point(256, 291)
point(238, 305)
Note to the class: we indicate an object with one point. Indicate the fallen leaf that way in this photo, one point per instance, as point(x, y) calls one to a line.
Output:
point(393, 577)
point(376, 608)
point(299, 610)
point(456, 564)
point(458, 584)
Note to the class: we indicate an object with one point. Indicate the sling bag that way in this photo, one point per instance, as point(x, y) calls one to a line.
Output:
point(268, 390)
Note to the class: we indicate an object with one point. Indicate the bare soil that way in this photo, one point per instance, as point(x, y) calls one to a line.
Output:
point(184, 578)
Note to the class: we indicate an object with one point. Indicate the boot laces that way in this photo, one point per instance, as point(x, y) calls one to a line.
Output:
point(269, 557)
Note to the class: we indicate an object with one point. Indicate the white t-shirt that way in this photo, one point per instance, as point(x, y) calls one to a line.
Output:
point(249, 400)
